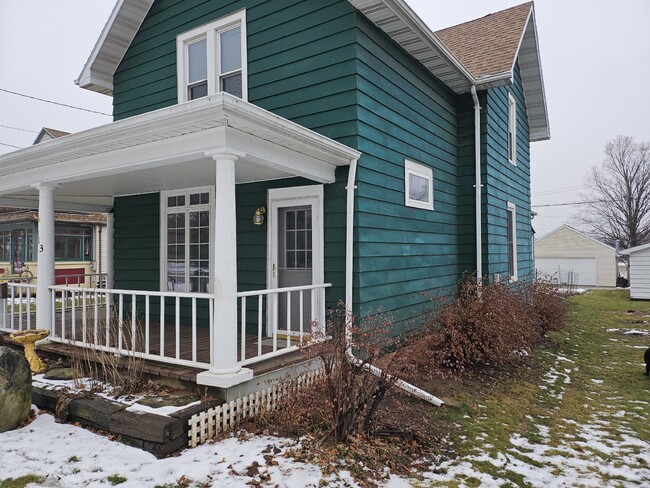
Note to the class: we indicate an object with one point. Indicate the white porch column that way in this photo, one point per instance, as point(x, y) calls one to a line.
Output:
point(110, 273)
point(225, 371)
point(45, 250)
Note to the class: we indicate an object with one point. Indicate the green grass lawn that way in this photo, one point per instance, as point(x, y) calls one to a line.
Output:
point(579, 416)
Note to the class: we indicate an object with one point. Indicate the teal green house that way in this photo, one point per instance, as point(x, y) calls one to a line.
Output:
point(270, 159)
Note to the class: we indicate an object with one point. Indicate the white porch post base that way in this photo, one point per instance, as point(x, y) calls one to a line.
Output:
point(224, 379)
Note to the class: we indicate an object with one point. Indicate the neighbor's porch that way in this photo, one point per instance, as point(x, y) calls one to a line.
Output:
point(215, 143)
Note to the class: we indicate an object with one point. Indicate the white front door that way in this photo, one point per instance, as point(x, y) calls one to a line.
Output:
point(295, 235)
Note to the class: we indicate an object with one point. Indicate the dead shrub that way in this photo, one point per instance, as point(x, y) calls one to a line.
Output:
point(345, 400)
point(548, 305)
point(479, 327)
point(101, 367)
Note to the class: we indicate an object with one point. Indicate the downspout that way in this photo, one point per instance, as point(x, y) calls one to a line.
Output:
point(477, 186)
point(349, 244)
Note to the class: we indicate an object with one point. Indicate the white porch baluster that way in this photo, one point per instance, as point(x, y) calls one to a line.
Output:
point(45, 252)
point(225, 371)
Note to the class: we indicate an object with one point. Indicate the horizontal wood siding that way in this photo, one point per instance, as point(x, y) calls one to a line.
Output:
point(505, 182)
point(640, 275)
point(137, 242)
point(402, 253)
point(300, 59)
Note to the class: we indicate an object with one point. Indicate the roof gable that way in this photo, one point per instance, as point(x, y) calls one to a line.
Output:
point(567, 227)
point(489, 48)
point(400, 23)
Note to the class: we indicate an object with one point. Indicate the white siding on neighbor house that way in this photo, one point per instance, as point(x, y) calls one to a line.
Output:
point(640, 274)
point(566, 244)
point(579, 271)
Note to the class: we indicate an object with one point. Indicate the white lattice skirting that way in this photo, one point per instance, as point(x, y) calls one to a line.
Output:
point(206, 425)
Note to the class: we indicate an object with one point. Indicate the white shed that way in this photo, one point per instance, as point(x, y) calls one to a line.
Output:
point(574, 257)
point(639, 271)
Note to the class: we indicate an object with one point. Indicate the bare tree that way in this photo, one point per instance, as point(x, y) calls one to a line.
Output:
point(619, 194)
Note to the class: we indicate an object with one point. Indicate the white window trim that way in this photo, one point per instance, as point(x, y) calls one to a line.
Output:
point(513, 208)
point(512, 128)
point(164, 210)
point(417, 169)
point(210, 32)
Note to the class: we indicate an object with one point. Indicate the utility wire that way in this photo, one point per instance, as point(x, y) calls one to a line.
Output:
point(55, 103)
point(568, 203)
point(10, 145)
point(18, 128)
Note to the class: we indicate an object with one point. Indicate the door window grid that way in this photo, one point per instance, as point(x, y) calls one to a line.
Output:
point(298, 239)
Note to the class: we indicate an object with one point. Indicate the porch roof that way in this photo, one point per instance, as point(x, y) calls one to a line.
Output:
point(167, 149)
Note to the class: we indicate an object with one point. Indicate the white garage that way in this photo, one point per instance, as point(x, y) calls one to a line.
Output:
point(574, 257)
point(639, 271)
point(579, 271)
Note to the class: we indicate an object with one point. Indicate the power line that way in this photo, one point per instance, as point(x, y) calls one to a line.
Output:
point(568, 203)
point(10, 145)
point(55, 103)
point(18, 128)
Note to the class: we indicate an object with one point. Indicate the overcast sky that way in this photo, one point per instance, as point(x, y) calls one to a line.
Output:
point(595, 57)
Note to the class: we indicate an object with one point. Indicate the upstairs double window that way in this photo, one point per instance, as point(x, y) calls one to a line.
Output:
point(212, 59)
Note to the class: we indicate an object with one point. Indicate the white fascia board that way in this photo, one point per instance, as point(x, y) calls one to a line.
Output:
point(20, 201)
point(631, 250)
point(533, 82)
point(573, 229)
point(116, 36)
point(170, 135)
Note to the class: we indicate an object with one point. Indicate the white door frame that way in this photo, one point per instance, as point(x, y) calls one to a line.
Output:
point(313, 195)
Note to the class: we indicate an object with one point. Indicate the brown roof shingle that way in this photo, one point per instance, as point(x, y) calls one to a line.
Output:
point(488, 46)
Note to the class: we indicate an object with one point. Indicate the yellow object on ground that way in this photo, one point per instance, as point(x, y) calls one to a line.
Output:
point(28, 339)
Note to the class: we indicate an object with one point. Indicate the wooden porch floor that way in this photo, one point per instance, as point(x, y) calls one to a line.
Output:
point(160, 368)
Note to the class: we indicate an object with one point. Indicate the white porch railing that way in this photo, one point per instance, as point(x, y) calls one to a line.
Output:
point(162, 326)
point(171, 327)
point(19, 308)
point(277, 335)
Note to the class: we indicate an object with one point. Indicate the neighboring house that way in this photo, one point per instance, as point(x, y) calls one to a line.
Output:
point(639, 271)
point(47, 134)
point(79, 246)
point(575, 258)
point(80, 242)
point(348, 126)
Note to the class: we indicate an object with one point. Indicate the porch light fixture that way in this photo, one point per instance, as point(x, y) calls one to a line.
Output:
point(258, 218)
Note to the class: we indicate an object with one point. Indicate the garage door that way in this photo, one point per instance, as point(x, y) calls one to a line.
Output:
point(576, 271)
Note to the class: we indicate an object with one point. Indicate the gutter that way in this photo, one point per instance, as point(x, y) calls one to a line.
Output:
point(349, 267)
point(477, 186)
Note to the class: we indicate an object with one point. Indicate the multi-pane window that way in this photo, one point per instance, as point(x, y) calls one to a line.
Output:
point(73, 244)
point(512, 129)
point(23, 248)
point(5, 245)
point(187, 248)
point(512, 239)
point(212, 59)
point(298, 239)
point(418, 190)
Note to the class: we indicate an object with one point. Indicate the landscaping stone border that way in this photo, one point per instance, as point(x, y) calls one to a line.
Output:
point(158, 434)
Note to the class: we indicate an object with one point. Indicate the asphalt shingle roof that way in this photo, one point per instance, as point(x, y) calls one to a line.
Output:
point(489, 45)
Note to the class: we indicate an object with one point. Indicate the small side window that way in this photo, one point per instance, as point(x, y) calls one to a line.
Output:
point(418, 182)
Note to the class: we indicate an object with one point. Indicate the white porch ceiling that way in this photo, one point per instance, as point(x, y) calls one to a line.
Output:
point(166, 149)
